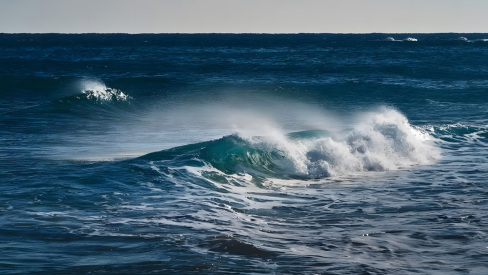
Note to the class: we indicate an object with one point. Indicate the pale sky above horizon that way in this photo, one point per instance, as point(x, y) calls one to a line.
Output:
point(243, 16)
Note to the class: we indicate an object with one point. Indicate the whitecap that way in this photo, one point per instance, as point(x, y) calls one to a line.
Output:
point(380, 140)
point(410, 39)
point(96, 90)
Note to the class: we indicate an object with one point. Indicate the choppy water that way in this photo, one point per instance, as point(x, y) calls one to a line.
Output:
point(231, 154)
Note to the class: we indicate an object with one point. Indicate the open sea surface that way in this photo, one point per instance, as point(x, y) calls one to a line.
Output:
point(244, 154)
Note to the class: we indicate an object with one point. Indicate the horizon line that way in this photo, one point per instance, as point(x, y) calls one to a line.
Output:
point(278, 33)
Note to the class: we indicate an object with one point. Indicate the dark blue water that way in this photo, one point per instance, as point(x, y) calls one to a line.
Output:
point(256, 154)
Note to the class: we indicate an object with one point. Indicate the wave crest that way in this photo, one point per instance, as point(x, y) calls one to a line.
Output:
point(410, 39)
point(380, 141)
point(95, 90)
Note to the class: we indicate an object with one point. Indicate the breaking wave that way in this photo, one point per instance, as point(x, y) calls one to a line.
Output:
point(410, 39)
point(380, 141)
point(389, 38)
point(95, 94)
point(97, 91)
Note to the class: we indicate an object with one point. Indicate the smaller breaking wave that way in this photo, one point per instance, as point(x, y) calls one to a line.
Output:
point(97, 91)
point(94, 92)
point(464, 39)
point(410, 39)
point(389, 38)
point(94, 99)
point(480, 40)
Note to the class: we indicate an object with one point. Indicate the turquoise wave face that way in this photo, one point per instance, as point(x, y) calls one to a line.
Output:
point(230, 154)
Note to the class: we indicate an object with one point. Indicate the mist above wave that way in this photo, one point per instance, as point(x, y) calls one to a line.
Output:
point(266, 135)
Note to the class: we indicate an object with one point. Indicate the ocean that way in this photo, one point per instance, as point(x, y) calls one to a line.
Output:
point(244, 153)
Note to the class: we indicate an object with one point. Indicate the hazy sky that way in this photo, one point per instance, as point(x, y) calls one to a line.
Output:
point(236, 16)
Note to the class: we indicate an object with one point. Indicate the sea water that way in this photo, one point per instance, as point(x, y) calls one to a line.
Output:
point(243, 153)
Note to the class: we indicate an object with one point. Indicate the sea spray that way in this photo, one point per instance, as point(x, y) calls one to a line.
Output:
point(380, 140)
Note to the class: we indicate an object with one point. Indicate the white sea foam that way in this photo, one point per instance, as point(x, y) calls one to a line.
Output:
point(379, 141)
point(96, 90)
point(410, 39)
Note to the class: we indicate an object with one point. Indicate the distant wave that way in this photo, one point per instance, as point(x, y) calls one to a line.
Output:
point(383, 140)
point(413, 39)
point(389, 38)
point(480, 40)
point(410, 39)
point(462, 38)
point(96, 90)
